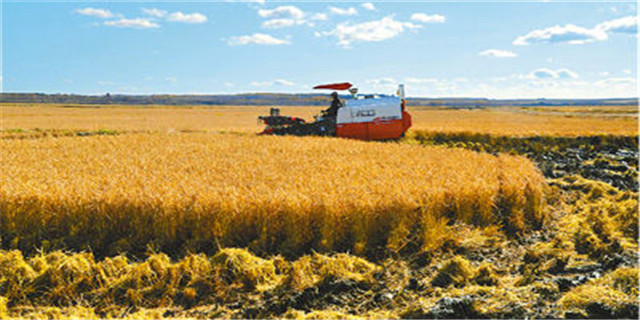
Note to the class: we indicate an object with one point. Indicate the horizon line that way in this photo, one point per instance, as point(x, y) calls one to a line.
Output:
point(303, 93)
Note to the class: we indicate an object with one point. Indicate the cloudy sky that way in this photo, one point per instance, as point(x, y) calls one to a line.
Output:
point(540, 49)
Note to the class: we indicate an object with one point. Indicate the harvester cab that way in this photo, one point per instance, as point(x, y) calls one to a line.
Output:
point(364, 117)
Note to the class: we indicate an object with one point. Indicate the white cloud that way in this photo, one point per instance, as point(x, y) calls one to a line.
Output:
point(368, 6)
point(140, 23)
point(178, 16)
point(187, 18)
point(154, 12)
point(420, 80)
point(149, 22)
point(351, 11)
point(277, 82)
point(623, 25)
point(381, 85)
point(434, 18)
point(498, 53)
point(256, 38)
point(545, 73)
point(283, 82)
point(514, 86)
point(573, 34)
point(551, 89)
point(441, 86)
point(626, 71)
point(280, 23)
point(95, 12)
point(417, 86)
point(371, 31)
point(320, 16)
point(282, 12)
point(171, 79)
point(627, 81)
point(569, 33)
point(284, 16)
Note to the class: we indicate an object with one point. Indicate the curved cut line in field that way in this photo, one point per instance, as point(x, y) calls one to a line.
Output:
point(193, 193)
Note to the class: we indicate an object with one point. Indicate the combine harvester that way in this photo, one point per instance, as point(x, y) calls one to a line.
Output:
point(364, 117)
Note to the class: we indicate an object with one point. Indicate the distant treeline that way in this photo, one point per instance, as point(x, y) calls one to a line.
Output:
point(279, 99)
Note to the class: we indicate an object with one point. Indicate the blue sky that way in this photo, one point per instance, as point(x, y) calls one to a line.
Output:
point(438, 49)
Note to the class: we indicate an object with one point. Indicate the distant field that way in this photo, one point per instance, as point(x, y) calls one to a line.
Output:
point(587, 109)
point(516, 121)
point(141, 118)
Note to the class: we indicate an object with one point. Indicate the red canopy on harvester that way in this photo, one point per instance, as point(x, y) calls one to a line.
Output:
point(335, 86)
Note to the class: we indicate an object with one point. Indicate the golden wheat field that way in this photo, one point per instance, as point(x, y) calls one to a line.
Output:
point(498, 121)
point(285, 195)
point(154, 212)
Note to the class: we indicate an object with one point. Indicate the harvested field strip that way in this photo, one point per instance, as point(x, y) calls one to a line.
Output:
point(500, 143)
point(194, 193)
point(43, 133)
point(611, 159)
point(237, 284)
point(65, 280)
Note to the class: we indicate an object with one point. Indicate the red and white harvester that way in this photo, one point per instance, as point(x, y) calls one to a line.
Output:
point(364, 117)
